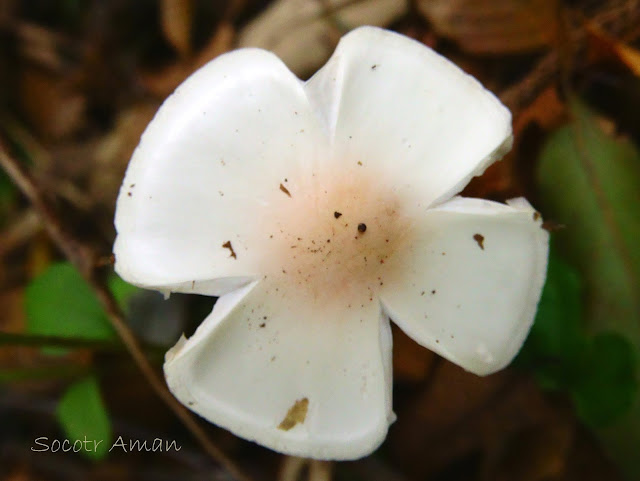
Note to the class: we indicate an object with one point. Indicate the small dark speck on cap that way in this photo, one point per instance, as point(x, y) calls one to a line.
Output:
point(227, 245)
point(285, 190)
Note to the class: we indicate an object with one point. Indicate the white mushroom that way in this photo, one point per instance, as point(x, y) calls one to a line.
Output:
point(318, 211)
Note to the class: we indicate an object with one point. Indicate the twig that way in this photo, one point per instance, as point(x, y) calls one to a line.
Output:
point(86, 262)
point(16, 234)
point(36, 340)
point(619, 19)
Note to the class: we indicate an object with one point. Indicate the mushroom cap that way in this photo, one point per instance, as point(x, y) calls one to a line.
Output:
point(318, 211)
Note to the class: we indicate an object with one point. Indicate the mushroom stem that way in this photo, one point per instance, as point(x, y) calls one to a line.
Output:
point(293, 468)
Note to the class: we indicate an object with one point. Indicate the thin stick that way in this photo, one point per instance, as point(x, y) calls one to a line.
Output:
point(620, 19)
point(86, 262)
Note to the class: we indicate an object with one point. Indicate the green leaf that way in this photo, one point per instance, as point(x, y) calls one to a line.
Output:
point(557, 343)
point(608, 387)
point(122, 290)
point(83, 416)
point(60, 303)
point(558, 330)
point(599, 372)
point(590, 181)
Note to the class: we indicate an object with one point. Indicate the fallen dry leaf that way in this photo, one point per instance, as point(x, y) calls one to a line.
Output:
point(54, 108)
point(176, 17)
point(496, 27)
point(11, 306)
point(411, 362)
point(507, 178)
point(603, 47)
point(162, 83)
point(303, 33)
point(535, 453)
point(113, 152)
point(459, 415)
point(547, 110)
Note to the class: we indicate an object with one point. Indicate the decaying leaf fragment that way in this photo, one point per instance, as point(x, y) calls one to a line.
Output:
point(496, 27)
point(303, 33)
point(295, 415)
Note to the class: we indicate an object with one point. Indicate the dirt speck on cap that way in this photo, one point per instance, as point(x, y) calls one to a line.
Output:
point(227, 245)
point(479, 238)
